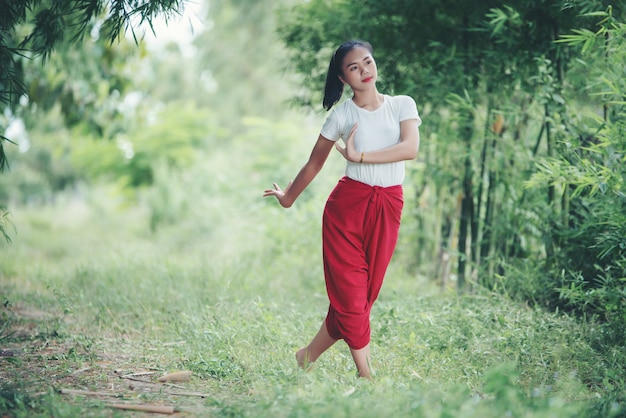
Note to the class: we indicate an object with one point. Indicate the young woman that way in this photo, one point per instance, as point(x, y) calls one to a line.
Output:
point(362, 215)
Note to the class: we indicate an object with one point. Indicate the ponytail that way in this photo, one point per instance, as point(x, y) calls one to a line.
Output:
point(334, 86)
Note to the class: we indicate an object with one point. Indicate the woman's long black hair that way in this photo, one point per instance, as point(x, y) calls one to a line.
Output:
point(334, 86)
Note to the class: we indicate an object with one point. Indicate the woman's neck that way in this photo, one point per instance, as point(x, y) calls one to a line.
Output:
point(369, 100)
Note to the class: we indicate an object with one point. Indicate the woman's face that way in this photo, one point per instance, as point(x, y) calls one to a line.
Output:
point(358, 69)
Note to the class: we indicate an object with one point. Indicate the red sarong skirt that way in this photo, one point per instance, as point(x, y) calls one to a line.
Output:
point(359, 234)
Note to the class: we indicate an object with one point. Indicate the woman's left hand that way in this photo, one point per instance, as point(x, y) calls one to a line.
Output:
point(349, 152)
point(279, 194)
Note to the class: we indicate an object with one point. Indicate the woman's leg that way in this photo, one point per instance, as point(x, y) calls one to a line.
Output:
point(320, 343)
point(362, 361)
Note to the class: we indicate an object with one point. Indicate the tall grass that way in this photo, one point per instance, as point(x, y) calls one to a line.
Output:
point(200, 273)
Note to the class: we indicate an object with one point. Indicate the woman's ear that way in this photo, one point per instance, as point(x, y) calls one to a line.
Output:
point(341, 79)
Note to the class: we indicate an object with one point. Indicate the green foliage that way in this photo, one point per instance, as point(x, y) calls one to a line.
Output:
point(5, 221)
point(36, 28)
point(591, 248)
point(86, 83)
point(31, 29)
point(41, 166)
point(174, 137)
point(7, 319)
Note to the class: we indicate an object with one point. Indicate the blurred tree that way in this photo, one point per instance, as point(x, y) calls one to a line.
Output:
point(175, 138)
point(31, 28)
point(242, 63)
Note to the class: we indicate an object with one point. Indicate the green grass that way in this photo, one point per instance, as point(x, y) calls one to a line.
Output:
point(100, 297)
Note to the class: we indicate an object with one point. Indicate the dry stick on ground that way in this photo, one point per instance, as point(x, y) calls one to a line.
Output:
point(117, 395)
point(173, 385)
point(134, 379)
point(177, 393)
point(79, 371)
point(88, 393)
point(147, 382)
point(197, 394)
point(159, 409)
point(139, 374)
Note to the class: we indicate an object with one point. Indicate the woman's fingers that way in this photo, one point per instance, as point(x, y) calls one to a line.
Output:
point(276, 191)
point(353, 130)
point(350, 151)
point(342, 151)
point(272, 192)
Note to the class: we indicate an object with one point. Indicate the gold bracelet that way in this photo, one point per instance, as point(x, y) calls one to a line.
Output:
point(362, 154)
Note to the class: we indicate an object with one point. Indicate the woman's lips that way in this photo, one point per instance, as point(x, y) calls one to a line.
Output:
point(368, 79)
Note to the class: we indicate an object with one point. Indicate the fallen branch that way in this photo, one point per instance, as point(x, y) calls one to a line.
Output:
point(149, 383)
point(88, 393)
point(84, 369)
point(134, 379)
point(172, 385)
point(139, 374)
point(197, 394)
point(158, 409)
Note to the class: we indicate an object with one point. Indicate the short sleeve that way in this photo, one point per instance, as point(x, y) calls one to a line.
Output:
point(407, 109)
point(331, 128)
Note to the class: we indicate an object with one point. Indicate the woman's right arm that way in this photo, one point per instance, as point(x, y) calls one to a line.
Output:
point(316, 161)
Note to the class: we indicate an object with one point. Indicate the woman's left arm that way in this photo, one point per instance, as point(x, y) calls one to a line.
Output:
point(406, 149)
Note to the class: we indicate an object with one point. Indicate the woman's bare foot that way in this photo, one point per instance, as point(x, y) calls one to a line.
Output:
point(302, 357)
point(322, 341)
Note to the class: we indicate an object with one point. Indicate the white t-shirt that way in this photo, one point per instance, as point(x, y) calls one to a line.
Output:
point(377, 129)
